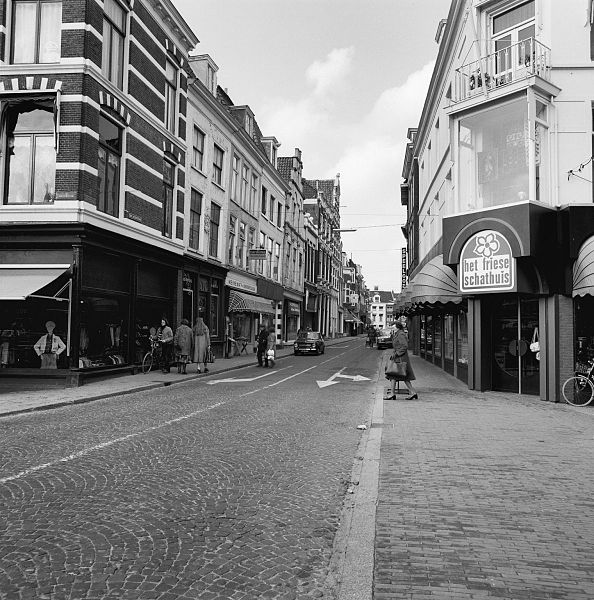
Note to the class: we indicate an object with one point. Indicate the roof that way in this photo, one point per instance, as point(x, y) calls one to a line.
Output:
point(309, 190)
point(385, 297)
point(284, 165)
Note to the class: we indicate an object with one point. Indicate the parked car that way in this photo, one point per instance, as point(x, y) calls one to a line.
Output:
point(384, 338)
point(309, 341)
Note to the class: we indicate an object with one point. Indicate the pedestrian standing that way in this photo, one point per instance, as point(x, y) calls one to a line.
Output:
point(201, 343)
point(183, 342)
point(262, 341)
point(165, 339)
point(400, 354)
point(269, 355)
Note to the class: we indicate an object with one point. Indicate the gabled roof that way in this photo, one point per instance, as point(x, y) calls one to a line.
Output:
point(309, 190)
point(385, 297)
point(284, 165)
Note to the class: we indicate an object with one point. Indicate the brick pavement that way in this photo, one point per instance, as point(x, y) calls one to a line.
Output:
point(14, 402)
point(483, 495)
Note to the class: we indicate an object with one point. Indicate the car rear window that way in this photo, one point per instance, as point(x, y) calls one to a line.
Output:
point(309, 335)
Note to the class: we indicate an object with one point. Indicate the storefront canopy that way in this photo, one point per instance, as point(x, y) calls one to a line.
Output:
point(435, 283)
point(18, 282)
point(583, 270)
point(350, 317)
point(238, 301)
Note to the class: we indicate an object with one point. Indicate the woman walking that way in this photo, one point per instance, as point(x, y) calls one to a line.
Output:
point(165, 340)
point(400, 354)
point(201, 343)
point(183, 341)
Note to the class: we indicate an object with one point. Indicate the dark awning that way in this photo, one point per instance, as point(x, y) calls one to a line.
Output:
point(240, 302)
point(435, 283)
point(583, 270)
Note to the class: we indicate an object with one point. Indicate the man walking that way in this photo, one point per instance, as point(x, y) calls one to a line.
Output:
point(262, 341)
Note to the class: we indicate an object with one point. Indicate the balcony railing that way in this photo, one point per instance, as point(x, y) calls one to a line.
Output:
point(504, 67)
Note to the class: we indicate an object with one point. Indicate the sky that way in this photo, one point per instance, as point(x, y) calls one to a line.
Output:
point(342, 80)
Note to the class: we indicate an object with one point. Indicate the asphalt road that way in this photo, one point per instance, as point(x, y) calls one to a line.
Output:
point(223, 487)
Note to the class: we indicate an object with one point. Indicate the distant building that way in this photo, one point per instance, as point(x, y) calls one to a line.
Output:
point(380, 308)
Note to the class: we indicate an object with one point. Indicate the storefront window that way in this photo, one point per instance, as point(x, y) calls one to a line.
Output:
point(493, 147)
point(437, 337)
point(448, 337)
point(462, 339)
point(423, 334)
point(428, 336)
point(103, 331)
point(584, 330)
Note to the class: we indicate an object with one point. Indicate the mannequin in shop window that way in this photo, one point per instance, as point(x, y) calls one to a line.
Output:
point(49, 347)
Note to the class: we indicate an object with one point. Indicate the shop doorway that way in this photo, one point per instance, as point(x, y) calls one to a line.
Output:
point(515, 368)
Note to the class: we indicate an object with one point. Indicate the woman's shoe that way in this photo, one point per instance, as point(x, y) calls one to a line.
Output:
point(413, 397)
point(392, 397)
point(198, 371)
point(205, 370)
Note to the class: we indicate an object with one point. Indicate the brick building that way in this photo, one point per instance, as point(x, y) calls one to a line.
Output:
point(93, 99)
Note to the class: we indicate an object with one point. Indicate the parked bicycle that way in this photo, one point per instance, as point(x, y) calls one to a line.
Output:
point(579, 389)
point(151, 357)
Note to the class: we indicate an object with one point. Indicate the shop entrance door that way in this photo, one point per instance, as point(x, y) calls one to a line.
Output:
point(515, 367)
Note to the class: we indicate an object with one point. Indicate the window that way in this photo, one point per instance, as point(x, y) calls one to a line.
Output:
point(251, 243)
point(253, 193)
point(110, 155)
point(245, 173)
point(170, 95)
point(114, 32)
point(215, 220)
point(231, 248)
point(264, 201)
point(168, 179)
point(279, 215)
point(513, 39)
point(217, 165)
point(277, 252)
point(198, 149)
point(241, 246)
point(235, 179)
point(494, 146)
point(195, 216)
point(36, 32)
point(30, 168)
point(269, 257)
point(260, 263)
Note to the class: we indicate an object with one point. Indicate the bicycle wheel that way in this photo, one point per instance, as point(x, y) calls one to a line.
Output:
point(147, 362)
point(578, 391)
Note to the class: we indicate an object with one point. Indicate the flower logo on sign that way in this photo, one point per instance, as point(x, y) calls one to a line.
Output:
point(486, 245)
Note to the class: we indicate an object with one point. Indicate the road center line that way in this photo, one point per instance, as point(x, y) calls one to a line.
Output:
point(125, 438)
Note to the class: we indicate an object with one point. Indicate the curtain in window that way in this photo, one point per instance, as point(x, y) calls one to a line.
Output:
point(25, 22)
point(49, 32)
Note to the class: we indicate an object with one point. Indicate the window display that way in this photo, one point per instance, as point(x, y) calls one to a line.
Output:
point(103, 332)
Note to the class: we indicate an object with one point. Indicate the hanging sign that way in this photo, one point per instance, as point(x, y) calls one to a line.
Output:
point(487, 264)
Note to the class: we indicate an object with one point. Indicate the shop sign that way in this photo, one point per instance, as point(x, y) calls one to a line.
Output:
point(237, 281)
point(487, 264)
point(293, 308)
point(257, 253)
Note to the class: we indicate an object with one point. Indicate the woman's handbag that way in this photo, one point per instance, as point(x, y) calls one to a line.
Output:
point(396, 368)
point(535, 344)
point(210, 357)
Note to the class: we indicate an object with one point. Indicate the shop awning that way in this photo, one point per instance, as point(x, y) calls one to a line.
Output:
point(18, 282)
point(238, 301)
point(435, 283)
point(583, 270)
point(350, 317)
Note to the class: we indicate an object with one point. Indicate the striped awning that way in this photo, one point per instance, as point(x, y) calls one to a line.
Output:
point(21, 281)
point(583, 270)
point(240, 302)
point(435, 283)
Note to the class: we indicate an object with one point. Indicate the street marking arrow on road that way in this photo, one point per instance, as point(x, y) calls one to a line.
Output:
point(331, 380)
point(240, 380)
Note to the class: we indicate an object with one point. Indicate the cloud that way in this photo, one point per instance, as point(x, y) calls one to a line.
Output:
point(307, 121)
point(328, 75)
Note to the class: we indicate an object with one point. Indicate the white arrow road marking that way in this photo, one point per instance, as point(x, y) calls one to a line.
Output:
point(240, 380)
point(331, 380)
